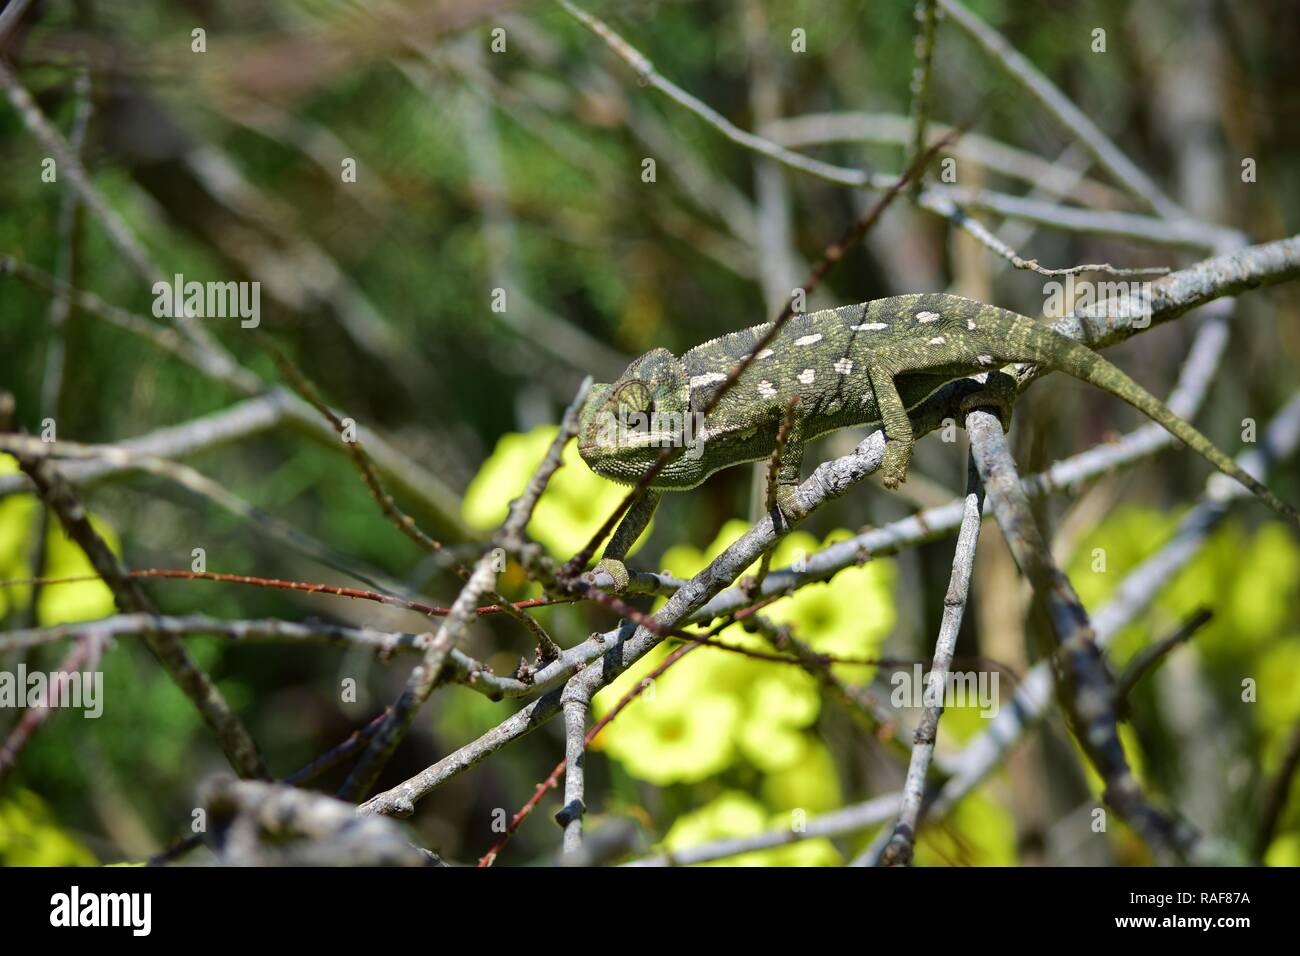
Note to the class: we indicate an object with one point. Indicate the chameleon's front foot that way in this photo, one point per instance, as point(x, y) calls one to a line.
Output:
point(625, 535)
point(617, 570)
point(898, 455)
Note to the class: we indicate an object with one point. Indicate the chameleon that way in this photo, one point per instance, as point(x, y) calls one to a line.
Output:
point(863, 364)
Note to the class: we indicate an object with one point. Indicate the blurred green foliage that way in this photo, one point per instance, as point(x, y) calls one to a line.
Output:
point(1249, 650)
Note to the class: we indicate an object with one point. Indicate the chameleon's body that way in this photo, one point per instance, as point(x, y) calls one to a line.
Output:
point(856, 365)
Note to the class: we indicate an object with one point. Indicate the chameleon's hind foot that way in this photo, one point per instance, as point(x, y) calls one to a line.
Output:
point(787, 481)
point(998, 395)
point(785, 502)
point(616, 569)
point(898, 455)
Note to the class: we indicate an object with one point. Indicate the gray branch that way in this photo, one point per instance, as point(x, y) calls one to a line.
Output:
point(271, 824)
point(898, 852)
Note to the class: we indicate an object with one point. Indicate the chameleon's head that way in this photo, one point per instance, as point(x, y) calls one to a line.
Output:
point(625, 426)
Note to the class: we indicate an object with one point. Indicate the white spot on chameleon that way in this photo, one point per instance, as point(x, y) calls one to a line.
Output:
point(708, 378)
point(766, 389)
point(869, 327)
point(807, 376)
point(844, 366)
point(808, 339)
point(927, 316)
point(938, 340)
point(984, 359)
point(766, 353)
point(970, 324)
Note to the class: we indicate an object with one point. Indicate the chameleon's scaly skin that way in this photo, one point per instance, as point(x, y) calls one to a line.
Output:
point(856, 365)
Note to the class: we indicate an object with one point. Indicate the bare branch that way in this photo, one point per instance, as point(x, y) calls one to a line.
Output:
point(898, 852)
point(1153, 654)
point(816, 129)
point(271, 824)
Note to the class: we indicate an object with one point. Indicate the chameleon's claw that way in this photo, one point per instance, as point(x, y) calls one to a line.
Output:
point(617, 570)
point(898, 455)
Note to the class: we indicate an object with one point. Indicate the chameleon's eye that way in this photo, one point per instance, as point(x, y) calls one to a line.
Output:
point(634, 403)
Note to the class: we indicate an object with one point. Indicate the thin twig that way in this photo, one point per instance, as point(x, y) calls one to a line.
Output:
point(946, 206)
point(1275, 796)
point(365, 465)
point(755, 583)
point(1153, 654)
point(356, 594)
point(1048, 175)
point(926, 14)
point(898, 851)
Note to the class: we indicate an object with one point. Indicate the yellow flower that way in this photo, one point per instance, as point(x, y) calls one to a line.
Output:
point(61, 603)
point(717, 706)
point(679, 730)
point(30, 836)
point(809, 786)
point(575, 504)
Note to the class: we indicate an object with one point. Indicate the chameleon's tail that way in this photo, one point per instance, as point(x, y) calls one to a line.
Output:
point(1039, 344)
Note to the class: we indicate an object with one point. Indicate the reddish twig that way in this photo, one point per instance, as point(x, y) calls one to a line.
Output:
point(547, 649)
point(85, 654)
point(360, 594)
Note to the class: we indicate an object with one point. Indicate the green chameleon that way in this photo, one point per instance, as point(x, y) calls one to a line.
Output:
point(857, 365)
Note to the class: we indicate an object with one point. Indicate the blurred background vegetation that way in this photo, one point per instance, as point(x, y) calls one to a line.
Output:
point(522, 170)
